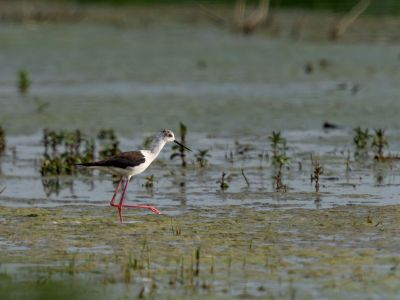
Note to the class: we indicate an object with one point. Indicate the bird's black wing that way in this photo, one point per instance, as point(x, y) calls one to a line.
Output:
point(122, 160)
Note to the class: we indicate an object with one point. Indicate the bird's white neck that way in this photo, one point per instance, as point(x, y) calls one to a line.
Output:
point(157, 147)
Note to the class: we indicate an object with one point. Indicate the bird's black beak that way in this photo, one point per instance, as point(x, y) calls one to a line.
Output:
point(183, 146)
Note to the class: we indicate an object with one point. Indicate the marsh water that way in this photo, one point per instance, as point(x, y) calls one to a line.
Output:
point(231, 91)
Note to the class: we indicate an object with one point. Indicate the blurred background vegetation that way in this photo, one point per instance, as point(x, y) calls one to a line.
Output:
point(376, 7)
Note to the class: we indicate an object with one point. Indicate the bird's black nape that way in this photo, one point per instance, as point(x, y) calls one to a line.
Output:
point(176, 142)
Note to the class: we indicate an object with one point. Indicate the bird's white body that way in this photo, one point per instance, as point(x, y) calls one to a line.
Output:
point(149, 157)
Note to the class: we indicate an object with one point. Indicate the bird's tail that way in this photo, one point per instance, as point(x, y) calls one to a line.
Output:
point(84, 164)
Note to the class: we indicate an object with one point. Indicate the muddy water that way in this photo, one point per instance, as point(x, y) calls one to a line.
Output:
point(226, 88)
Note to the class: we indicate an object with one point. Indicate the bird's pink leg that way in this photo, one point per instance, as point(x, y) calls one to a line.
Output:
point(121, 201)
point(115, 193)
point(121, 204)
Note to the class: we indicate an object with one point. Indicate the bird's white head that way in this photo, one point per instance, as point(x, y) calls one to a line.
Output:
point(167, 135)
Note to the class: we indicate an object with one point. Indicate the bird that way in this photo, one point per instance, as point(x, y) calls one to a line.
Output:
point(131, 163)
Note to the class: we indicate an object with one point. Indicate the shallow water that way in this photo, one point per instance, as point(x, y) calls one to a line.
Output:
point(225, 88)
point(368, 183)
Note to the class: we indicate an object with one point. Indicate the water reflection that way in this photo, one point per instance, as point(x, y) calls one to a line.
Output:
point(317, 201)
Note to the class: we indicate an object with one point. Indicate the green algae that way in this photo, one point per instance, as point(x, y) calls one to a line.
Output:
point(348, 251)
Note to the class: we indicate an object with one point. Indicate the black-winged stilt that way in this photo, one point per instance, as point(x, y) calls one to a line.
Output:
point(128, 164)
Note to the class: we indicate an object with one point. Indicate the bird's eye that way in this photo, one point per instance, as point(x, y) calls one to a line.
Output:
point(169, 135)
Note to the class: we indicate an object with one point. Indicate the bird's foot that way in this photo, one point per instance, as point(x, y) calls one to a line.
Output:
point(152, 208)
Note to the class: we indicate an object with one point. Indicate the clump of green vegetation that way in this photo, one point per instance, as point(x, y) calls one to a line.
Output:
point(361, 141)
point(379, 142)
point(278, 144)
point(2, 140)
point(23, 81)
point(109, 142)
point(61, 163)
point(201, 158)
point(318, 171)
point(222, 182)
point(179, 151)
point(279, 159)
point(64, 149)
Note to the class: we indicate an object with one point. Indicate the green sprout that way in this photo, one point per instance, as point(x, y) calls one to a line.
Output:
point(361, 141)
point(280, 160)
point(179, 151)
point(278, 143)
point(201, 157)
point(222, 183)
point(379, 142)
point(318, 170)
